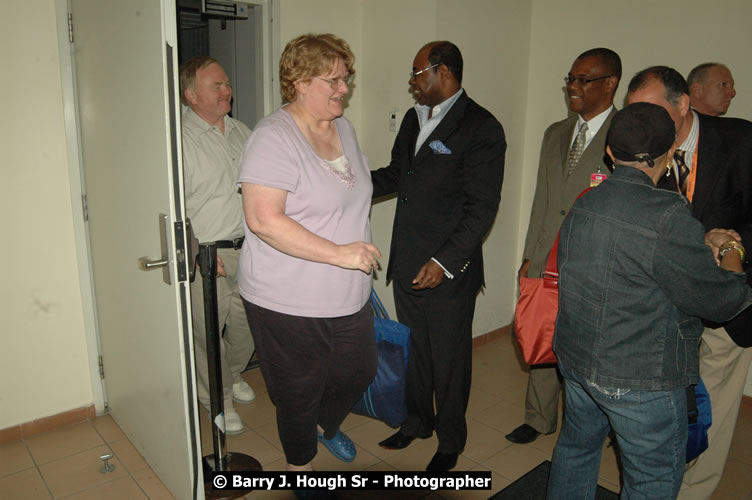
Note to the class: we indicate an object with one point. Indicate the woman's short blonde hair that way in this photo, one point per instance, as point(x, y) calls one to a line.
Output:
point(311, 55)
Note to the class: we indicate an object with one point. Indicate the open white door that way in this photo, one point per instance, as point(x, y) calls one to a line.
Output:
point(125, 59)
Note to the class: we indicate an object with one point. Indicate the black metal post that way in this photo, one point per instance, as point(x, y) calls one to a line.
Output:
point(220, 461)
point(207, 256)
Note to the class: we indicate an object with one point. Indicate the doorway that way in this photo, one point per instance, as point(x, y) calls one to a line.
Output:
point(236, 34)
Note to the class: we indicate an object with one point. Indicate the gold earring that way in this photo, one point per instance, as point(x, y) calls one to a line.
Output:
point(669, 166)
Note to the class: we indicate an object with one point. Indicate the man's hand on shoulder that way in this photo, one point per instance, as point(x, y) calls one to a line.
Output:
point(430, 276)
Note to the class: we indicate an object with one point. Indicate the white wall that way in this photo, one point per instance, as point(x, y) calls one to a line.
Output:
point(43, 356)
point(516, 53)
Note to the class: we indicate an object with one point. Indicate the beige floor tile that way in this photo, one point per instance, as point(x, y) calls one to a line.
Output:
point(546, 442)
point(120, 489)
point(414, 457)
point(353, 420)
point(14, 457)
point(515, 460)
point(258, 413)
point(79, 472)
point(480, 400)
point(277, 465)
point(483, 441)
point(253, 444)
point(128, 455)
point(63, 442)
point(27, 485)
point(368, 436)
point(108, 428)
point(255, 379)
point(150, 483)
point(325, 461)
point(381, 467)
point(502, 416)
point(270, 433)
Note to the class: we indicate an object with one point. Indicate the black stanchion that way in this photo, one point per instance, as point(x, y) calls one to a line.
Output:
point(220, 460)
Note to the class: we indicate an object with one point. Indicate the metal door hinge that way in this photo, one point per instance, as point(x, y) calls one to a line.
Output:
point(85, 206)
point(70, 27)
point(101, 368)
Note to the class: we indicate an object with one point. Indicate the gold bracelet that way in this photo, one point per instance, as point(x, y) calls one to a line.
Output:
point(732, 244)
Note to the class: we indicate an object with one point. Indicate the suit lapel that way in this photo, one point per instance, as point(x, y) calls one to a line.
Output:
point(564, 145)
point(445, 128)
point(711, 160)
point(590, 156)
point(593, 157)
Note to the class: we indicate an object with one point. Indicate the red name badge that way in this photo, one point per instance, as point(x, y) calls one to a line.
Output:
point(596, 179)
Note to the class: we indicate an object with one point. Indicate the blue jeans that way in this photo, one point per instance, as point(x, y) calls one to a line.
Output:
point(650, 428)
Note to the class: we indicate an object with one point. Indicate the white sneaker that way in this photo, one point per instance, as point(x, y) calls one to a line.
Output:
point(242, 392)
point(233, 424)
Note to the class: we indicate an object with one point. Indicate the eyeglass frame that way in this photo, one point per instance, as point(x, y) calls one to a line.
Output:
point(414, 74)
point(347, 80)
point(583, 81)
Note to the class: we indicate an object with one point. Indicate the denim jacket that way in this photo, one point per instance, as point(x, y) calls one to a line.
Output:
point(635, 276)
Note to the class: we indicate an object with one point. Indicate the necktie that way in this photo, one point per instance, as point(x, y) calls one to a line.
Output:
point(578, 146)
point(683, 170)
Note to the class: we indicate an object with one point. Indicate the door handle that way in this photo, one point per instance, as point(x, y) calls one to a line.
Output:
point(149, 264)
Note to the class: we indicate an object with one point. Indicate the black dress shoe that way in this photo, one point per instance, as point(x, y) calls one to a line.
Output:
point(523, 434)
point(396, 441)
point(442, 462)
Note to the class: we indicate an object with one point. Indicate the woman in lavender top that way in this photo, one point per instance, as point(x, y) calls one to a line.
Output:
point(306, 266)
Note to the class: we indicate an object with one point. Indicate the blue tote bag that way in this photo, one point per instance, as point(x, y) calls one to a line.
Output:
point(700, 420)
point(385, 397)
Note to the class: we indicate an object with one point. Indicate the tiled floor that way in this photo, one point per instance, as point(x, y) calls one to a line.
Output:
point(65, 463)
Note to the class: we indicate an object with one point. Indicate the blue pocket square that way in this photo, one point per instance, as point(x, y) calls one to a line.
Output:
point(439, 148)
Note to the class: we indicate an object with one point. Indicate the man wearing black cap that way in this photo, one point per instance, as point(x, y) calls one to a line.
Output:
point(635, 273)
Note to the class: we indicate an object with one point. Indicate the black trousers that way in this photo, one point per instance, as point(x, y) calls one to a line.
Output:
point(315, 370)
point(439, 366)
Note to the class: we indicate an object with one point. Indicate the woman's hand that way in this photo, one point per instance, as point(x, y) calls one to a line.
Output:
point(359, 255)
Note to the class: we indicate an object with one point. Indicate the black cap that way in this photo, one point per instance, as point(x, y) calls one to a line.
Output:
point(641, 132)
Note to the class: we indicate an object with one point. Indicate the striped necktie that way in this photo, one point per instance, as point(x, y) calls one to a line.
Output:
point(681, 164)
point(578, 147)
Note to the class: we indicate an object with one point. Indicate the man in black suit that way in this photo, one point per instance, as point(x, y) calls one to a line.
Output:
point(714, 170)
point(447, 167)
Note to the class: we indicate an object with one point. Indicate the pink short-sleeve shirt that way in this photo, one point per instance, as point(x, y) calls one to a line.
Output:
point(327, 202)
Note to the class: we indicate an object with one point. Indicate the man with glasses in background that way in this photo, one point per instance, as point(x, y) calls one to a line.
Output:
point(447, 168)
point(571, 159)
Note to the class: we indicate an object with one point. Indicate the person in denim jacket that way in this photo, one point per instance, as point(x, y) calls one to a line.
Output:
point(636, 273)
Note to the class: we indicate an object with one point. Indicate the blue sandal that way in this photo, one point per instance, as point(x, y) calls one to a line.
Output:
point(340, 446)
